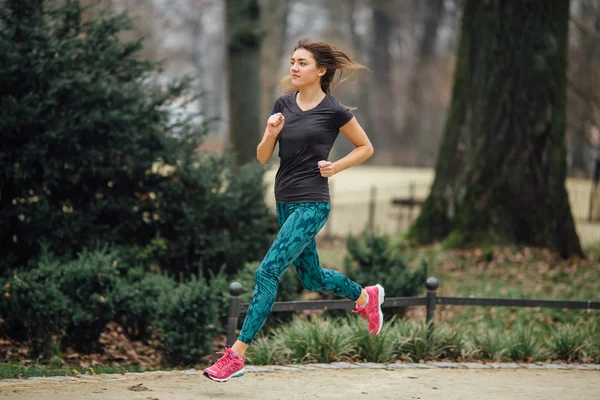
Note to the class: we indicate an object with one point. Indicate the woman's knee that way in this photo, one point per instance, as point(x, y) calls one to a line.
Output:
point(264, 277)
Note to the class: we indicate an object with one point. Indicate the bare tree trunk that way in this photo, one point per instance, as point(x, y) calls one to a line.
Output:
point(272, 51)
point(364, 83)
point(206, 23)
point(243, 72)
point(381, 95)
point(416, 110)
point(584, 59)
point(501, 169)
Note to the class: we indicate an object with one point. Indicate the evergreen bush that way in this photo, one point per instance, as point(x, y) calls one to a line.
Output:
point(373, 259)
point(189, 320)
point(93, 151)
point(70, 302)
point(138, 297)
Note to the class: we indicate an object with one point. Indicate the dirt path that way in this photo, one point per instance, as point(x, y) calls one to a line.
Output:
point(349, 384)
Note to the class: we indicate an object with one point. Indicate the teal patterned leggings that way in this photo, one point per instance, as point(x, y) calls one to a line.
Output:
point(295, 243)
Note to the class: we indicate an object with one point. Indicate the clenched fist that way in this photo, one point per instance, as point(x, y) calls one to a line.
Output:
point(275, 124)
point(326, 168)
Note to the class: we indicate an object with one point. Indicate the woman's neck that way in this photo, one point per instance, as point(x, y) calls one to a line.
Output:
point(310, 94)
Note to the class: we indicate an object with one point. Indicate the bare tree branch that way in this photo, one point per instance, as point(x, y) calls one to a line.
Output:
point(586, 30)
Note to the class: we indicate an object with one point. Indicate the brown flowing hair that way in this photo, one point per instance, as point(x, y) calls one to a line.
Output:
point(339, 66)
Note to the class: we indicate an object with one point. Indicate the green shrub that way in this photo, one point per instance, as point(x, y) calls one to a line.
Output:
point(369, 348)
point(215, 218)
point(447, 343)
point(332, 340)
point(524, 344)
point(321, 341)
point(91, 125)
point(73, 299)
point(569, 343)
point(411, 340)
point(142, 256)
point(488, 344)
point(415, 341)
point(98, 152)
point(374, 259)
point(188, 320)
point(138, 299)
point(89, 282)
point(295, 340)
point(34, 308)
point(592, 331)
point(265, 351)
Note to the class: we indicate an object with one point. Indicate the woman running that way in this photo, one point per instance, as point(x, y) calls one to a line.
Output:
point(305, 121)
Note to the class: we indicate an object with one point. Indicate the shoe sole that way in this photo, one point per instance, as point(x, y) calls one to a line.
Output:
point(381, 292)
point(238, 374)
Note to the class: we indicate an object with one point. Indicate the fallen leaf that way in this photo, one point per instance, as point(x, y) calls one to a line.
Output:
point(139, 388)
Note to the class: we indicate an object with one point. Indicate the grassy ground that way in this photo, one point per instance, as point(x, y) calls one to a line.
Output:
point(501, 272)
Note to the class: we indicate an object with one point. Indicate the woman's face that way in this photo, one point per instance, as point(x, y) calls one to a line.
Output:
point(304, 70)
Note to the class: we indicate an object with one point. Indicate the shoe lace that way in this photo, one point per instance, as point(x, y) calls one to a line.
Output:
point(360, 310)
point(223, 361)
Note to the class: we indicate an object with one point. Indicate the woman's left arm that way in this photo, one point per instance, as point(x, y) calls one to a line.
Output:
point(363, 148)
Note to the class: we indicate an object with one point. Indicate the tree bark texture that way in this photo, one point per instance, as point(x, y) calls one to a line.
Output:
point(243, 73)
point(501, 169)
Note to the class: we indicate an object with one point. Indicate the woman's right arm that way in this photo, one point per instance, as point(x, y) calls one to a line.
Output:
point(265, 148)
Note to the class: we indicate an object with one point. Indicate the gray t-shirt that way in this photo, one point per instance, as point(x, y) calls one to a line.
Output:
point(306, 138)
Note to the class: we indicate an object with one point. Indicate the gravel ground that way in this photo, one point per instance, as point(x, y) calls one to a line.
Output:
point(448, 381)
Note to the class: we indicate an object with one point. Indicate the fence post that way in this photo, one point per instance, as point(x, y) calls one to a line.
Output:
point(411, 196)
point(371, 220)
point(593, 200)
point(431, 284)
point(235, 290)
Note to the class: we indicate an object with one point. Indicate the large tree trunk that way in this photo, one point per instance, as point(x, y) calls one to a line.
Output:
point(243, 72)
point(501, 169)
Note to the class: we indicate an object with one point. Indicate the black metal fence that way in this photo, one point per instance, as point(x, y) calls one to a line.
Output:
point(430, 301)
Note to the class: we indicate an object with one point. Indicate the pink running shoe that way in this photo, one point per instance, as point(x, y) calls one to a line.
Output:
point(228, 366)
point(372, 310)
